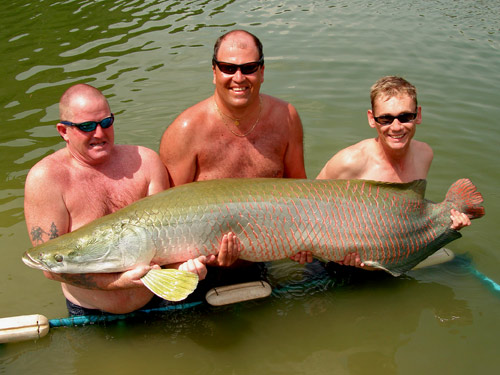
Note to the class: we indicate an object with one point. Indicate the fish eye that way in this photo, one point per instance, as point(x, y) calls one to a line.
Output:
point(58, 257)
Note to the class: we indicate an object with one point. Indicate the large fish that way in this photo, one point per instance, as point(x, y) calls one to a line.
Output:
point(390, 225)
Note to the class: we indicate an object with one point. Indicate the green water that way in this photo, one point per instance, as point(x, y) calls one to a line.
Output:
point(152, 60)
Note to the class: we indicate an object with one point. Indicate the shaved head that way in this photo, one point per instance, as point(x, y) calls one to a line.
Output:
point(77, 97)
point(240, 43)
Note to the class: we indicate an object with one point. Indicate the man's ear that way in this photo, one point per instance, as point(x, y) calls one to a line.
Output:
point(62, 130)
point(418, 120)
point(371, 120)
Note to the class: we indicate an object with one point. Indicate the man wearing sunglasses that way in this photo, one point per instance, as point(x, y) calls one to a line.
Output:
point(393, 156)
point(89, 178)
point(236, 132)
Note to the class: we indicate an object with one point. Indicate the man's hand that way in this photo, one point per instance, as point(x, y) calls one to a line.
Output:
point(458, 220)
point(354, 260)
point(104, 281)
point(302, 257)
point(229, 251)
point(197, 266)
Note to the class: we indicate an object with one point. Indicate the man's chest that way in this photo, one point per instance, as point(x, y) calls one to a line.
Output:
point(241, 158)
point(99, 197)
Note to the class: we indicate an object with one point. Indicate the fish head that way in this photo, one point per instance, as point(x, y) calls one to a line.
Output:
point(104, 250)
point(68, 254)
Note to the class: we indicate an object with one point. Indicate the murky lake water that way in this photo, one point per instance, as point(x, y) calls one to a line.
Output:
point(152, 60)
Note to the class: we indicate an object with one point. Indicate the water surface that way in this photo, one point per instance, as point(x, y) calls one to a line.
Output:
point(152, 60)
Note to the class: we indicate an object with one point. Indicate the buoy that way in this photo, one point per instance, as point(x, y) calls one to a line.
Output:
point(24, 327)
point(225, 295)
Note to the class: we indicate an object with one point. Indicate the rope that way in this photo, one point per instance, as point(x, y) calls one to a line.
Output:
point(74, 321)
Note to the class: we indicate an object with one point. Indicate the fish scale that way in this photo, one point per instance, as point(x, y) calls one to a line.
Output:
point(391, 226)
point(300, 222)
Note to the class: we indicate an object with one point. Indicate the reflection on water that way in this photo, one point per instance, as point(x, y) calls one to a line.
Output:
point(337, 319)
point(152, 60)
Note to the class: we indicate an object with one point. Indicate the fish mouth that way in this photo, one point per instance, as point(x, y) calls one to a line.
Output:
point(33, 263)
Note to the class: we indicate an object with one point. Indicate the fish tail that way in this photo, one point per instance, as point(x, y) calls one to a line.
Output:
point(467, 199)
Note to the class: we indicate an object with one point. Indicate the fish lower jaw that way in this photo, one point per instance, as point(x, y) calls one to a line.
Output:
point(30, 262)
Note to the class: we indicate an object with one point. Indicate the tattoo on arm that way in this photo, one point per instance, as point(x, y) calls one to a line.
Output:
point(53, 231)
point(37, 232)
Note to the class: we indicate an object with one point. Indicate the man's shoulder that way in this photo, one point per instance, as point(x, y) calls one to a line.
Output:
point(422, 146)
point(275, 103)
point(348, 162)
point(358, 150)
point(132, 148)
point(187, 120)
point(53, 162)
point(197, 110)
point(49, 171)
point(128, 153)
point(423, 153)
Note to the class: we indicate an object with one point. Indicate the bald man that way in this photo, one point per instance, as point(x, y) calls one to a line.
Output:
point(89, 178)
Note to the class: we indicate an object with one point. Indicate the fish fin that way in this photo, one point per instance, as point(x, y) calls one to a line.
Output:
point(170, 284)
point(418, 186)
point(377, 265)
point(403, 266)
point(415, 188)
point(463, 193)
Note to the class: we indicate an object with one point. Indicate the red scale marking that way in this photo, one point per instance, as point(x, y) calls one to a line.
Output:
point(339, 228)
point(376, 232)
point(322, 226)
point(385, 245)
point(265, 243)
point(362, 209)
point(309, 221)
point(352, 227)
point(278, 236)
point(397, 204)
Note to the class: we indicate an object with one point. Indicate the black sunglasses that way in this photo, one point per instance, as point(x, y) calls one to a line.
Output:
point(89, 126)
point(402, 118)
point(247, 68)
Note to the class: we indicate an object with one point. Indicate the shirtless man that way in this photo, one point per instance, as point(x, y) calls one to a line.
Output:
point(89, 178)
point(236, 132)
point(393, 156)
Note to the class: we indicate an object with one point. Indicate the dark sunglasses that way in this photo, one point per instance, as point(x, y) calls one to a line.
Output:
point(247, 68)
point(402, 118)
point(89, 126)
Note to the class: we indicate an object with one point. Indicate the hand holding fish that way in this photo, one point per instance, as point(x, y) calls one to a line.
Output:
point(196, 266)
point(459, 219)
point(302, 257)
point(104, 281)
point(229, 252)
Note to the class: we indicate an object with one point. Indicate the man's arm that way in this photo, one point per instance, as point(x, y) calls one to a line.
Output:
point(45, 211)
point(103, 281)
point(47, 217)
point(345, 164)
point(294, 156)
point(177, 153)
point(157, 174)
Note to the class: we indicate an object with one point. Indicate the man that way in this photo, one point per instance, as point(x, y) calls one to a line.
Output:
point(236, 132)
point(89, 178)
point(392, 156)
